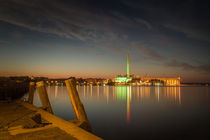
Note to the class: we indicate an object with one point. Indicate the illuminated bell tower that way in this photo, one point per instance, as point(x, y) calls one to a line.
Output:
point(128, 73)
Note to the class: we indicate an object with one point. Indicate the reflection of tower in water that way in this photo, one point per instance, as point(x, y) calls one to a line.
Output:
point(124, 93)
point(128, 103)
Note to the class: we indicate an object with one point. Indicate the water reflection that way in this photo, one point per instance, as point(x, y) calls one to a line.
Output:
point(124, 94)
point(143, 94)
point(128, 94)
point(140, 94)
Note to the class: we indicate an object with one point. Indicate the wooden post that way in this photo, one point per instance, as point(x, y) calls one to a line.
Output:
point(43, 96)
point(31, 92)
point(77, 105)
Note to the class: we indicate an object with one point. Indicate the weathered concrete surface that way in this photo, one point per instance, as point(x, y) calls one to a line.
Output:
point(20, 120)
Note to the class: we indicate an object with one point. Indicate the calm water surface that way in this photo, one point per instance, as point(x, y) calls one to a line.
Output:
point(133, 112)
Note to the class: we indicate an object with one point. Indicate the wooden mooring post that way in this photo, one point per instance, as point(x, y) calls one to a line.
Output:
point(44, 97)
point(31, 92)
point(82, 120)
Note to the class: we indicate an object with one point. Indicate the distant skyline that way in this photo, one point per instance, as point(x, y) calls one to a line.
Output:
point(91, 38)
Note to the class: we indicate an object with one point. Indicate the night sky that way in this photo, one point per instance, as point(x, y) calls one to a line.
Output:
point(63, 38)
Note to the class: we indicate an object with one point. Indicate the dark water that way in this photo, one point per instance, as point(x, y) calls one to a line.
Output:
point(133, 112)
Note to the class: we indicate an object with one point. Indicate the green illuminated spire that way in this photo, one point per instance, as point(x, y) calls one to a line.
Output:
point(128, 73)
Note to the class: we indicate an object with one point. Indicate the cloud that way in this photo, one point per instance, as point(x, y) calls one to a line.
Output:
point(192, 18)
point(204, 68)
point(147, 51)
point(144, 22)
point(70, 20)
point(150, 53)
point(4, 41)
point(36, 16)
point(198, 33)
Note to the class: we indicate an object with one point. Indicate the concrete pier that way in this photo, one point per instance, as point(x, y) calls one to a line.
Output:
point(20, 120)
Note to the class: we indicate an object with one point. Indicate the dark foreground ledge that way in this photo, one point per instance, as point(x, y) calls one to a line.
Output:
point(20, 120)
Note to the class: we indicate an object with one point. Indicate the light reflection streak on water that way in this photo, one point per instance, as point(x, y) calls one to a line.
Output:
point(113, 93)
point(56, 91)
point(91, 90)
point(180, 102)
point(107, 94)
point(98, 91)
point(87, 90)
point(176, 95)
point(104, 90)
point(137, 89)
point(157, 92)
point(84, 92)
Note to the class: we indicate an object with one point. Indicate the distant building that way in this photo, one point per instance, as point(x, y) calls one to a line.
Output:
point(123, 79)
point(92, 81)
point(161, 81)
point(135, 80)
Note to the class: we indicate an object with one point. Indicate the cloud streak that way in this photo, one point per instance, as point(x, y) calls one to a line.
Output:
point(4, 41)
point(148, 52)
point(204, 68)
point(68, 20)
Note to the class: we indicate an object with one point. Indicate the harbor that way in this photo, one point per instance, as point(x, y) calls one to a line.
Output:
point(58, 116)
point(104, 70)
